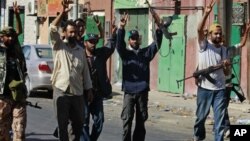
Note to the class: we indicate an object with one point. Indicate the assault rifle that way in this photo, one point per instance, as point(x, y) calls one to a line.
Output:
point(32, 105)
point(163, 25)
point(205, 73)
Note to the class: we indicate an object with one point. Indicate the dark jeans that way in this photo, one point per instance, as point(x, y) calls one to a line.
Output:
point(227, 120)
point(132, 102)
point(95, 109)
point(69, 109)
point(206, 99)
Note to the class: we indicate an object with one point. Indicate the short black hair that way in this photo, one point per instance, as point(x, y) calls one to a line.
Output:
point(79, 20)
point(69, 22)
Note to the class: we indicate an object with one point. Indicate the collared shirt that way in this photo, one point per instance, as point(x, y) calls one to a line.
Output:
point(70, 65)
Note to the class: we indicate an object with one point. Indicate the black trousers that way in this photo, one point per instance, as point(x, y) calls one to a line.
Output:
point(134, 103)
point(69, 109)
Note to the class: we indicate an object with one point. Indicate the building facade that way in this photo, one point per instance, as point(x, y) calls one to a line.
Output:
point(177, 57)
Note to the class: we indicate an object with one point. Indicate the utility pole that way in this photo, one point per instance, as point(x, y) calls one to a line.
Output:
point(225, 8)
point(75, 9)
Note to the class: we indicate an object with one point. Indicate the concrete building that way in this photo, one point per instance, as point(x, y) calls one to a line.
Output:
point(176, 59)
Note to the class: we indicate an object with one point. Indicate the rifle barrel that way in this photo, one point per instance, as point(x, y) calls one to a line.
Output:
point(178, 81)
point(32, 105)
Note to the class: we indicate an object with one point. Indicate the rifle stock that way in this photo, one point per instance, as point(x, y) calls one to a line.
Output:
point(162, 24)
point(154, 14)
point(239, 95)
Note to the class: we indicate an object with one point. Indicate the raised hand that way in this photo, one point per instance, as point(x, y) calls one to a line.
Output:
point(65, 4)
point(209, 8)
point(123, 20)
point(87, 5)
point(16, 8)
point(114, 27)
point(96, 19)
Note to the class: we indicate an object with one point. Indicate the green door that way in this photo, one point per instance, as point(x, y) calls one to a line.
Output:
point(172, 58)
point(92, 28)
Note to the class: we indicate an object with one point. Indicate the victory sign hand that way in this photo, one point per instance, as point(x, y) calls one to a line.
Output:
point(123, 20)
point(16, 8)
point(209, 8)
point(65, 4)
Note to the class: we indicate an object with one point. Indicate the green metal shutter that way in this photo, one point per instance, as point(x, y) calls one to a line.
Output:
point(172, 58)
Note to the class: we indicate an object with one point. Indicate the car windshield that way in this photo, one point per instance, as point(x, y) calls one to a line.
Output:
point(44, 52)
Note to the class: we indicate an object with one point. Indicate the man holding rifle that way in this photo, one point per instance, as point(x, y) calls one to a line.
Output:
point(211, 89)
point(13, 111)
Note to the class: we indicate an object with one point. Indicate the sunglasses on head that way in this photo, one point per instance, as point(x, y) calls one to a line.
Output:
point(134, 37)
point(93, 41)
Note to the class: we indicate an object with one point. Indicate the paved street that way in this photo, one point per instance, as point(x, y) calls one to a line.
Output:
point(171, 118)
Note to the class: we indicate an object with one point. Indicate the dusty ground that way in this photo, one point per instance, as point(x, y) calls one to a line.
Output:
point(174, 112)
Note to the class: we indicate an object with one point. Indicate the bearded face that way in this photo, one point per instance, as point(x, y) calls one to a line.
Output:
point(70, 34)
point(134, 42)
point(216, 36)
point(91, 45)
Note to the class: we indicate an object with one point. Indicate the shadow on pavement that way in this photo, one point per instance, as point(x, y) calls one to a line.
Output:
point(33, 139)
point(42, 94)
point(115, 93)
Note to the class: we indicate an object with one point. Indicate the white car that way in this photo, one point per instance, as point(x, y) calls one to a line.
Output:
point(39, 64)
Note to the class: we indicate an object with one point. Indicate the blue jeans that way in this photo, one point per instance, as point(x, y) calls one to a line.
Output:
point(95, 108)
point(206, 99)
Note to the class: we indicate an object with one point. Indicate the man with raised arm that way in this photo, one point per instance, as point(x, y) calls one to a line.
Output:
point(135, 79)
point(70, 78)
point(211, 88)
point(97, 59)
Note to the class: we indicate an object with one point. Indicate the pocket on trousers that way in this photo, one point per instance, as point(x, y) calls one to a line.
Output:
point(144, 115)
point(124, 114)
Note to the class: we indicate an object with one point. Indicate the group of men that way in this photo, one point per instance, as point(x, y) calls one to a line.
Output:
point(80, 80)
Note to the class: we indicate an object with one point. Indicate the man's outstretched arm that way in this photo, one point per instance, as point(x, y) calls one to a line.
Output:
point(99, 26)
point(201, 35)
point(16, 10)
point(244, 37)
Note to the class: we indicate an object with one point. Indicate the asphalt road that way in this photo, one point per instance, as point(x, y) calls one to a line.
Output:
point(41, 123)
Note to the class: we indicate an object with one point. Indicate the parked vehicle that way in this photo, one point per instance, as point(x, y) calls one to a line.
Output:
point(39, 63)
